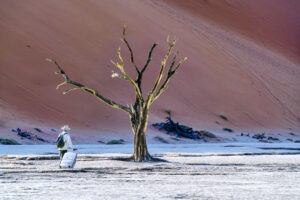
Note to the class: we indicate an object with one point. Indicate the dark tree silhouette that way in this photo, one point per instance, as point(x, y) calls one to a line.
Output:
point(139, 111)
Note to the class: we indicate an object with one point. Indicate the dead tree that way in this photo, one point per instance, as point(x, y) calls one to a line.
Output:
point(139, 111)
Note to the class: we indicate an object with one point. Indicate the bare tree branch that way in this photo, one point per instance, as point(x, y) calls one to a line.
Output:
point(171, 72)
point(61, 84)
point(120, 66)
point(130, 50)
point(69, 90)
point(87, 89)
point(179, 64)
point(149, 58)
point(163, 65)
point(173, 61)
point(140, 76)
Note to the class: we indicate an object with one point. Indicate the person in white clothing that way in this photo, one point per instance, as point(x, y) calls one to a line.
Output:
point(67, 141)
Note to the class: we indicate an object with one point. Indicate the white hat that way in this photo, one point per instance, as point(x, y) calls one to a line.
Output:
point(65, 128)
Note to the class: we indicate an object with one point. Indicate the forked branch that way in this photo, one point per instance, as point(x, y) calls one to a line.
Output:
point(171, 72)
point(87, 89)
point(140, 77)
point(120, 66)
point(139, 72)
point(151, 95)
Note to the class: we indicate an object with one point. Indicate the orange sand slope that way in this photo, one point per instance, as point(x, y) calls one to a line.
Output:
point(243, 62)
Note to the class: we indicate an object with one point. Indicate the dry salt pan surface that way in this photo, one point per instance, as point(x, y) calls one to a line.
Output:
point(184, 176)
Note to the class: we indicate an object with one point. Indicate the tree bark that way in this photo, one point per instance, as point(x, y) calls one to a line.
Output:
point(140, 145)
point(140, 148)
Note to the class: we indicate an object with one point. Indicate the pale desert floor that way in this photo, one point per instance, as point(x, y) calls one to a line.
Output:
point(185, 176)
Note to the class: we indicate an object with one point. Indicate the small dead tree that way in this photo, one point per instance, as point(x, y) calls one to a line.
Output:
point(139, 111)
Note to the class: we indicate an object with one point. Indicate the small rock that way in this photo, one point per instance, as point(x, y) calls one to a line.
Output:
point(38, 130)
point(121, 141)
point(272, 138)
point(265, 141)
point(259, 136)
point(40, 139)
point(228, 130)
point(24, 134)
point(223, 117)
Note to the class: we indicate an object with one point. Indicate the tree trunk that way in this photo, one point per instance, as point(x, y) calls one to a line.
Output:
point(139, 128)
point(140, 145)
point(140, 148)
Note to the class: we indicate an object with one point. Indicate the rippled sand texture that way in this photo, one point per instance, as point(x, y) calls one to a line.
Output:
point(243, 62)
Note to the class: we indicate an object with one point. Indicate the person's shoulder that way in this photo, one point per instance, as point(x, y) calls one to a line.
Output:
point(63, 134)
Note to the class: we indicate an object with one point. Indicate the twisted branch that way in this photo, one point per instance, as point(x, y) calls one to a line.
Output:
point(87, 89)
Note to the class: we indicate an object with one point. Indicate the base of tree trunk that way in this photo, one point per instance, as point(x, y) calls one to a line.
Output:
point(147, 158)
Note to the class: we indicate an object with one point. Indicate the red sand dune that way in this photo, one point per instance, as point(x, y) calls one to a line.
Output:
point(243, 62)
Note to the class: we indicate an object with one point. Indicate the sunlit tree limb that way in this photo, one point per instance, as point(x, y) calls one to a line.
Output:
point(87, 89)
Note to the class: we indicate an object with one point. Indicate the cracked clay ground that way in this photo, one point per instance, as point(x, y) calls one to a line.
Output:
point(182, 177)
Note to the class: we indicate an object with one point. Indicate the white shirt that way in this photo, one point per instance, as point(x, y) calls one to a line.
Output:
point(67, 140)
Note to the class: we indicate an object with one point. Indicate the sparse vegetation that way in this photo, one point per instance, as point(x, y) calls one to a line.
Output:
point(273, 138)
point(259, 136)
point(207, 134)
point(38, 130)
point(267, 139)
point(223, 117)
point(228, 130)
point(179, 130)
point(169, 112)
point(8, 141)
point(28, 135)
point(120, 141)
point(160, 139)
